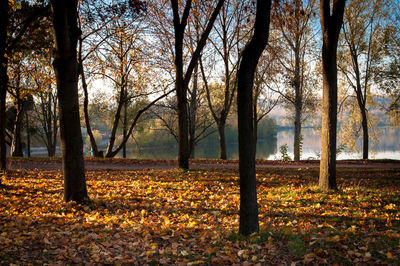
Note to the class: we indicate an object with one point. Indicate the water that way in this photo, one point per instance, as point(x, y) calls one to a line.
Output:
point(388, 147)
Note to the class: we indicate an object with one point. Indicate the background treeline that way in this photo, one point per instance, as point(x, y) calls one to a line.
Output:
point(128, 64)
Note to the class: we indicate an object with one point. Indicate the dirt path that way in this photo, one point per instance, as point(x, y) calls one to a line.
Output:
point(127, 164)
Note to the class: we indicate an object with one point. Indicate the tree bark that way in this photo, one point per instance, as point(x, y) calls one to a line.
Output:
point(3, 80)
point(16, 144)
point(331, 23)
point(66, 34)
point(364, 124)
point(248, 222)
point(298, 105)
point(192, 116)
point(125, 126)
point(222, 142)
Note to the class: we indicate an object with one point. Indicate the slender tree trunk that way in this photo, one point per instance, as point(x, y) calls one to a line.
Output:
point(297, 133)
point(52, 125)
point(364, 124)
point(117, 117)
point(93, 143)
point(28, 135)
point(362, 102)
point(192, 116)
point(16, 145)
point(331, 23)
point(125, 126)
point(298, 102)
point(66, 33)
point(248, 222)
point(3, 80)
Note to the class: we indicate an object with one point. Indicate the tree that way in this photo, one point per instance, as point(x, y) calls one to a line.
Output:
point(362, 31)
point(24, 72)
point(292, 47)
point(248, 222)
point(66, 35)
point(3, 79)
point(18, 94)
point(182, 78)
point(11, 34)
point(45, 109)
point(331, 23)
point(106, 24)
point(387, 72)
point(263, 98)
point(226, 45)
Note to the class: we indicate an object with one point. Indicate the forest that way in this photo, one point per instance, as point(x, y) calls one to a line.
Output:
point(90, 79)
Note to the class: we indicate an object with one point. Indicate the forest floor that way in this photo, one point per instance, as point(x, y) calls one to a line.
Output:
point(168, 216)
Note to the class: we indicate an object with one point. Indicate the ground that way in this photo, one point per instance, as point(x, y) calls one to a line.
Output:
point(167, 216)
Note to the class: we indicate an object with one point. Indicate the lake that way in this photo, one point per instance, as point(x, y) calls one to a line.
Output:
point(388, 147)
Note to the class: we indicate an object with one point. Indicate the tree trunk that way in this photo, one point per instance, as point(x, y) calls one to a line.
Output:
point(125, 126)
point(364, 124)
point(255, 124)
point(331, 23)
point(181, 92)
point(297, 134)
point(222, 143)
point(93, 143)
point(52, 125)
point(192, 116)
point(182, 81)
point(298, 108)
point(28, 136)
point(66, 34)
point(16, 144)
point(3, 80)
point(248, 222)
point(117, 117)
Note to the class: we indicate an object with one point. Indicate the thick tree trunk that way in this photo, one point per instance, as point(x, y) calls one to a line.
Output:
point(182, 105)
point(255, 125)
point(66, 35)
point(331, 23)
point(222, 143)
point(3, 80)
point(248, 222)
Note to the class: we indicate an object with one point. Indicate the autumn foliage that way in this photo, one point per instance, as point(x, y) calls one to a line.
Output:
point(191, 217)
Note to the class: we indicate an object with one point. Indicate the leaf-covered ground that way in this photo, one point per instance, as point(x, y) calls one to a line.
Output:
point(188, 218)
